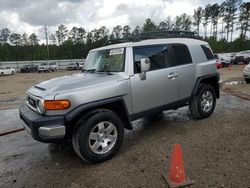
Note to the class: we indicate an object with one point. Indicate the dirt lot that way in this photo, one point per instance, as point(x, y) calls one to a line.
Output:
point(216, 150)
point(13, 88)
point(234, 83)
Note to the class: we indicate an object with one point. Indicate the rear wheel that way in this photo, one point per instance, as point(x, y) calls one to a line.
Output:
point(203, 104)
point(99, 137)
point(2, 74)
point(247, 81)
point(12, 72)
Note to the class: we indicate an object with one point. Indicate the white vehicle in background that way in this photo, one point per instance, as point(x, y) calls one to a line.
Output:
point(44, 67)
point(246, 73)
point(224, 59)
point(53, 66)
point(7, 71)
point(81, 66)
point(73, 66)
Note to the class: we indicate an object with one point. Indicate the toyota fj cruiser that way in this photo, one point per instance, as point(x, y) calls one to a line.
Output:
point(121, 83)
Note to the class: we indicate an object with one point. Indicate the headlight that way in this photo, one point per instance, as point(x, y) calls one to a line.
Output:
point(40, 107)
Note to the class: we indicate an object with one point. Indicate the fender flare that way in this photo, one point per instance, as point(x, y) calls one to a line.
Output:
point(84, 109)
point(206, 80)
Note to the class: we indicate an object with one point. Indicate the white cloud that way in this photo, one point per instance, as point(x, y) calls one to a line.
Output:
point(28, 16)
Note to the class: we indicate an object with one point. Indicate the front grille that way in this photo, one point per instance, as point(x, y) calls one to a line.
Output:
point(32, 102)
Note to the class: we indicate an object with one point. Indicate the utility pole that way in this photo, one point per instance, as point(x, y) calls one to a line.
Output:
point(47, 42)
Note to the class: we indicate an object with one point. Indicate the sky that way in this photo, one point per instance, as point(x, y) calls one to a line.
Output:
point(28, 16)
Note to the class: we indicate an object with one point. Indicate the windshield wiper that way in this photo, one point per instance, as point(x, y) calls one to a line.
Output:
point(89, 70)
point(106, 71)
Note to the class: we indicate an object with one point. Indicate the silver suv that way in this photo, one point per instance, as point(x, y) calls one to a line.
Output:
point(121, 83)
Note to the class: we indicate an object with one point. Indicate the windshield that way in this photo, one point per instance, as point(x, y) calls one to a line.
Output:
point(111, 60)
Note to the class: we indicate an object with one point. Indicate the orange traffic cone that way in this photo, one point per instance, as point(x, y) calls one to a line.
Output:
point(177, 176)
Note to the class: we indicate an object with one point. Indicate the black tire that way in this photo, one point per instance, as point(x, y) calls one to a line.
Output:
point(247, 81)
point(2, 74)
point(86, 125)
point(195, 106)
point(12, 72)
point(39, 71)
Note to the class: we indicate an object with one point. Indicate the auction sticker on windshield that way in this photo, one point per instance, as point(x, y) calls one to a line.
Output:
point(116, 51)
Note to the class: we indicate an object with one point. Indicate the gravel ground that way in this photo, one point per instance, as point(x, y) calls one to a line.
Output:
point(216, 150)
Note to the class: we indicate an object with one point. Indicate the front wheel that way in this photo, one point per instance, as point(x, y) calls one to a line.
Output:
point(202, 105)
point(98, 137)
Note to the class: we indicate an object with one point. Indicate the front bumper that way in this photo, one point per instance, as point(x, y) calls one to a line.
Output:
point(48, 129)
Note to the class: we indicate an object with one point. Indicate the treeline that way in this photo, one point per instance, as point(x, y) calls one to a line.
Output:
point(217, 24)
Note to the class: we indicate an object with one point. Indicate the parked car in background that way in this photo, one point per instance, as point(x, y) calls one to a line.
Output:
point(28, 68)
point(53, 66)
point(246, 73)
point(81, 66)
point(242, 57)
point(73, 66)
point(218, 64)
point(224, 59)
point(231, 55)
point(44, 67)
point(7, 71)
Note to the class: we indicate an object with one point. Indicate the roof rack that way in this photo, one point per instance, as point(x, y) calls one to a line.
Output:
point(159, 34)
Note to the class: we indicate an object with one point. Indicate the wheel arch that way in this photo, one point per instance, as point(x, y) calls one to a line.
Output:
point(212, 80)
point(116, 105)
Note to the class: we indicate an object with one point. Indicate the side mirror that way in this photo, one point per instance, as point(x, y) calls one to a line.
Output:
point(145, 66)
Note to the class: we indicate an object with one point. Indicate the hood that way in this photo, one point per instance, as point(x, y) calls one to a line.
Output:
point(76, 81)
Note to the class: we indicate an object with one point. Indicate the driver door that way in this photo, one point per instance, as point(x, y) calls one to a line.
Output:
point(160, 86)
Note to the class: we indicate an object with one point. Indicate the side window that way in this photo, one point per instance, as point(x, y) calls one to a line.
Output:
point(209, 54)
point(182, 55)
point(157, 55)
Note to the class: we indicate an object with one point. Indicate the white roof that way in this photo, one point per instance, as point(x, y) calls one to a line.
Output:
point(187, 41)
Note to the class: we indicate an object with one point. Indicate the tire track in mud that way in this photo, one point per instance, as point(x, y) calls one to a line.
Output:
point(232, 92)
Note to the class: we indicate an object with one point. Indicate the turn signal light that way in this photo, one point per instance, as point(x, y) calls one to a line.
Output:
point(56, 104)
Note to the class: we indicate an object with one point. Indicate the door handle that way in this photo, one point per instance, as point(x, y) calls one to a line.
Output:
point(172, 75)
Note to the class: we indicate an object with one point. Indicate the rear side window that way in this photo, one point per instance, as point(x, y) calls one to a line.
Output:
point(182, 55)
point(157, 55)
point(209, 54)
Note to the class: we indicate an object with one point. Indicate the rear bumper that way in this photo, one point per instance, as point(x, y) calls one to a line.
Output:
point(48, 129)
